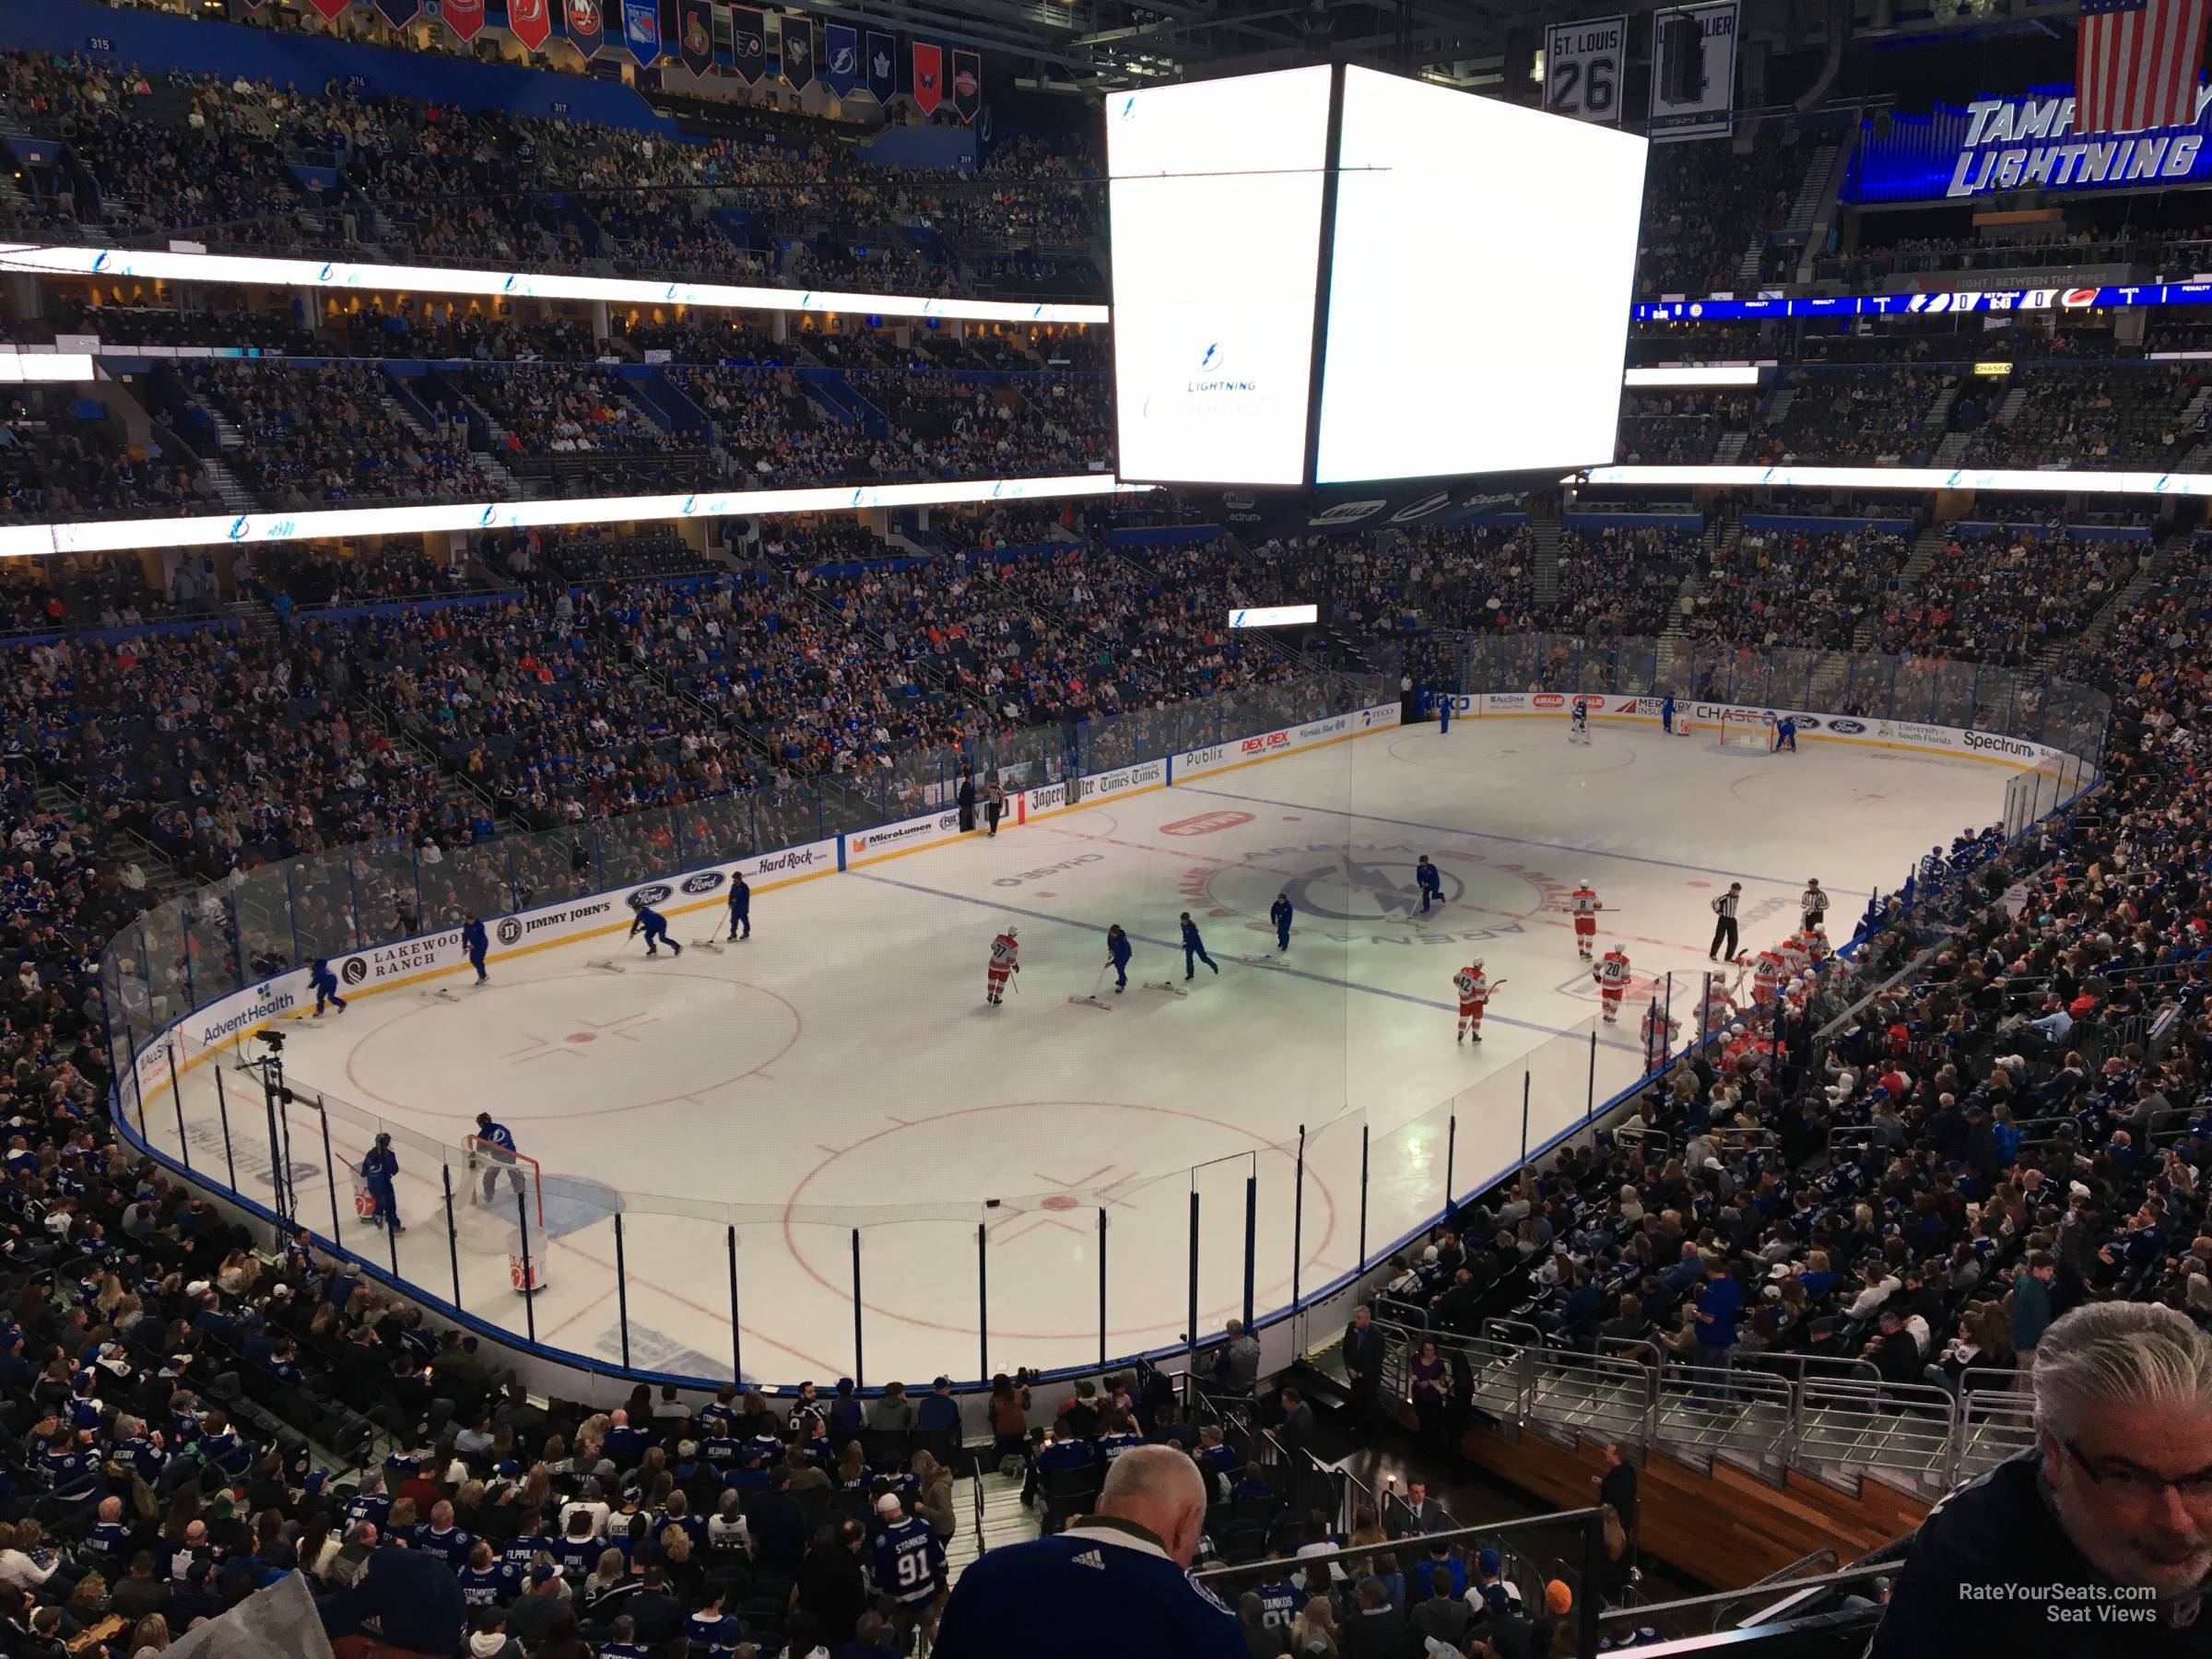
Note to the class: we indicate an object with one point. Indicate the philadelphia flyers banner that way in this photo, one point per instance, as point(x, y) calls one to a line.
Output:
point(929, 78)
point(748, 43)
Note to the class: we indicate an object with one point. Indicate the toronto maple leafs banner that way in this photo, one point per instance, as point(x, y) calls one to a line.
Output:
point(841, 57)
point(587, 29)
point(966, 84)
point(798, 50)
point(748, 43)
point(883, 67)
point(929, 78)
point(642, 30)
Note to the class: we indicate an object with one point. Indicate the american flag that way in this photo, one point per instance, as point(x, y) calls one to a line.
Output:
point(2135, 64)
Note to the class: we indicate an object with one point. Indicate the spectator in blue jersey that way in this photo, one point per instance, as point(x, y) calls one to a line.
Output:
point(1117, 957)
point(655, 928)
point(909, 1567)
point(1280, 913)
point(411, 1596)
point(1193, 948)
point(741, 907)
point(1115, 1583)
point(474, 942)
point(326, 985)
point(938, 1411)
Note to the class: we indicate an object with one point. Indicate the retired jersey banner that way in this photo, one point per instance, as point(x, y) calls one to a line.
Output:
point(1583, 66)
point(1708, 110)
point(465, 18)
point(531, 22)
point(587, 25)
point(929, 78)
point(841, 57)
point(883, 67)
point(798, 50)
point(399, 13)
point(642, 30)
point(695, 34)
point(966, 84)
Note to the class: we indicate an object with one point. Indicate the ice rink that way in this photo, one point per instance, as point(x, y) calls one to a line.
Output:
point(840, 1075)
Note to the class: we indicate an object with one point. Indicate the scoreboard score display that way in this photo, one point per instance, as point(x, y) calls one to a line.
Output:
point(1332, 276)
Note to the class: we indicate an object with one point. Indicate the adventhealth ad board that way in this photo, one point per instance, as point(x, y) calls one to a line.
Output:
point(229, 1018)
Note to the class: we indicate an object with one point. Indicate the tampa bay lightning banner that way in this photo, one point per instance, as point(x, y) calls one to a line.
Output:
point(841, 57)
point(883, 67)
point(748, 43)
point(798, 50)
point(642, 30)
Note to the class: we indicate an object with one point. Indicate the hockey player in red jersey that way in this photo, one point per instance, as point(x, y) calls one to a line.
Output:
point(1585, 903)
point(1005, 960)
point(1474, 996)
point(1612, 976)
point(1660, 1030)
point(1767, 976)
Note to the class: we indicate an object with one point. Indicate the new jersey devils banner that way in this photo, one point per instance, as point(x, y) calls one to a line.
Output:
point(587, 28)
point(642, 30)
point(748, 43)
point(929, 78)
point(966, 84)
point(530, 21)
point(883, 67)
point(465, 18)
point(695, 35)
point(798, 50)
point(841, 57)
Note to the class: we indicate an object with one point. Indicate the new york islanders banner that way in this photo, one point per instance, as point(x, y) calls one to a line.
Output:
point(841, 57)
point(929, 78)
point(798, 50)
point(587, 26)
point(883, 67)
point(966, 84)
point(748, 43)
point(531, 22)
point(642, 30)
point(465, 18)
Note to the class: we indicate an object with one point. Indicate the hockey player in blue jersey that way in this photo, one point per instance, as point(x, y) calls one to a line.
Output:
point(1194, 949)
point(909, 1565)
point(1578, 721)
point(1429, 880)
point(1117, 957)
point(325, 984)
point(1666, 713)
point(656, 931)
point(1280, 913)
point(494, 1149)
point(378, 1169)
point(1786, 734)
point(741, 907)
point(474, 943)
point(1932, 868)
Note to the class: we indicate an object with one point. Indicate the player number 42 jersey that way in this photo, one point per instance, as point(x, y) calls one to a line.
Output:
point(1472, 987)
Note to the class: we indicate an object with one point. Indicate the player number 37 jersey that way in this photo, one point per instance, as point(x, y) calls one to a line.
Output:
point(1004, 951)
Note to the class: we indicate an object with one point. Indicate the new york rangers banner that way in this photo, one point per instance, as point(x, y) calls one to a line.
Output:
point(587, 28)
point(929, 78)
point(695, 35)
point(465, 18)
point(642, 30)
point(841, 57)
point(883, 67)
point(748, 43)
point(531, 22)
point(399, 13)
point(798, 50)
point(966, 84)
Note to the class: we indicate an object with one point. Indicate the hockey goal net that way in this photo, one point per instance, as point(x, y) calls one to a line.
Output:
point(1740, 730)
point(498, 1178)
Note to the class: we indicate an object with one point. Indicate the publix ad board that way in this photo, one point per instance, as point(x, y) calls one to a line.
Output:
point(1241, 752)
point(2015, 752)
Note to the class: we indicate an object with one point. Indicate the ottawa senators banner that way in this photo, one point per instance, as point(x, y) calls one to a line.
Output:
point(695, 34)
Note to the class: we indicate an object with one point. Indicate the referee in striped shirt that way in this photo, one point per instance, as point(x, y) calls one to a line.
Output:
point(1724, 929)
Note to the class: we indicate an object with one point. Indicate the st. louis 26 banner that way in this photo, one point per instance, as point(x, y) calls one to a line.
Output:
point(1583, 65)
point(1693, 75)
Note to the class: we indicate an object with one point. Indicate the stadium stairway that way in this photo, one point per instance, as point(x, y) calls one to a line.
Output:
point(1544, 562)
point(995, 1516)
point(1926, 546)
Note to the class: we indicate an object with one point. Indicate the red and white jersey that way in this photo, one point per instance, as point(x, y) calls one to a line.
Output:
point(1612, 971)
point(1004, 950)
point(1474, 989)
point(1767, 974)
point(1659, 1032)
point(1794, 955)
point(1583, 903)
point(1817, 947)
point(1719, 1009)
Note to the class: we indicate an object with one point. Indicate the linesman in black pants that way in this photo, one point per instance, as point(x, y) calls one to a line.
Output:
point(1724, 929)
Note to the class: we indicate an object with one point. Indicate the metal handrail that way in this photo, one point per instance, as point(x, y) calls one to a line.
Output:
point(1458, 1535)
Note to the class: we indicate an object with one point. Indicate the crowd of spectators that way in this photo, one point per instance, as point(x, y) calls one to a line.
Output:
point(566, 408)
point(328, 433)
point(1800, 589)
point(1708, 206)
point(1873, 416)
point(1681, 425)
point(1618, 581)
point(2112, 414)
point(2004, 594)
point(59, 462)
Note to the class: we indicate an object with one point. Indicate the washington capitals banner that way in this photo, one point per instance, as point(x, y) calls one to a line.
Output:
point(883, 67)
point(748, 43)
point(966, 84)
point(798, 52)
point(530, 21)
point(587, 28)
point(465, 18)
point(642, 30)
point(399, 13)
point(929, 78)
point(695, 34)
point(841, 57)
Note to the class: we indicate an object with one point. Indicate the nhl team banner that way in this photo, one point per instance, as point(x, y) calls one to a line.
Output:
point(929, 78)
point(841, 57)
point(1710, 111)
point(798, 50)
point(748, 43)
point(2019, 142)
point(531, 22)
point(883, 67)
point(966, 84)
point(465, 18)
point(642, 30)
point(587, 26)
point(399, 13)
point(329, 9)
point(1582, 64)
point(695, 35)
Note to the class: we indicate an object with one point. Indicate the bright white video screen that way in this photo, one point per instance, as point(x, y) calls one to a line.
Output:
point(1481, 272)
point(1214, 193)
